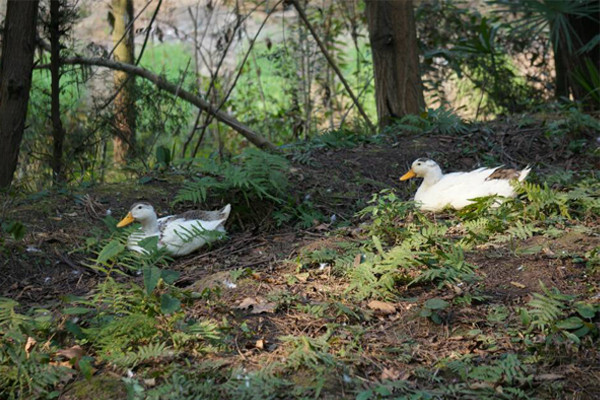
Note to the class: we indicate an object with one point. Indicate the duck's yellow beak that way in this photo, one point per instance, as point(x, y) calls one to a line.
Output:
point(408, 175)
point(125, 221)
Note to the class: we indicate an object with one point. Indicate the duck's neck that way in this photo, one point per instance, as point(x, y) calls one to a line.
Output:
point(432, 177)
point(150, 225)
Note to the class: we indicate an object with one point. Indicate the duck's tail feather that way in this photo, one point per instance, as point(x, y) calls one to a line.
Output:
point(225, 212)
point(524, 172)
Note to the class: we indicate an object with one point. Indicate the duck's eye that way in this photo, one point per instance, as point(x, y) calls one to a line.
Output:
point(139, 207)
point(418, 164)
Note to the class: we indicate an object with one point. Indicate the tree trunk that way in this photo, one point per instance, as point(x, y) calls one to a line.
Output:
point(122, 35)
point(571, 63)
point(393, 36)
point(586, 29)
point(15, 81)
point(58, 132)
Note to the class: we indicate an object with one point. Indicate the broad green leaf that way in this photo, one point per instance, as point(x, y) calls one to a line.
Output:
point(581, 332)
point(110, 251)
point(571, 337)
point(570, 323)
point(169, 276)
point(74, 329)
point(151, 277)
point(145, 179)
point(16, 229)
point(366, 395)
point(85, 366)
point(149, 244)
point(436, 304)
point(435, 317)
point(169, 304)
point(76, 310)
point(585, 310)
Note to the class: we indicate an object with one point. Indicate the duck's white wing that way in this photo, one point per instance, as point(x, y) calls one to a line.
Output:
point(184, 233)
point(459, 188)
point(134, 238)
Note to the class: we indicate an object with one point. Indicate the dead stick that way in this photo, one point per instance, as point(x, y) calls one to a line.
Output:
point(332, 63)
point(175, 90)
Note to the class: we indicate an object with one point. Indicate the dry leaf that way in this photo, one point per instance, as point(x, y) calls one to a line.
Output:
point(261, 308)
point(517, 284)
point(322, 227)
point(391, 374)
point(260, 344)
point(246, 303)
point(258, 305)
point(382, 307)
point(72, 352)
point(29, 345)
point(357, 259)
point(150, 382)
point(548, 377)
point(66, 364)
point(303, 277)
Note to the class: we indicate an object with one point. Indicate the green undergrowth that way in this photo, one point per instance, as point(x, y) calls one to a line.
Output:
point(370, 309)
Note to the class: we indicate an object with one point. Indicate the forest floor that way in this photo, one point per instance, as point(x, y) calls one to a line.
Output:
point(281, 296)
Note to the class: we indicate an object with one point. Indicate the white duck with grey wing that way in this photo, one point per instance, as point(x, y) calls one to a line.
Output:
point(178, 234)
point(458, 189)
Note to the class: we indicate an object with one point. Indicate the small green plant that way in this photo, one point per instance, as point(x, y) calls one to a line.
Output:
point(437, 120)
point(25, 368)
point(15, 229)
point(386, 210)
point(253, 175)
point(559, 316)
point(432, 309)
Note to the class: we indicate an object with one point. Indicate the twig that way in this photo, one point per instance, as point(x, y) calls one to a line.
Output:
point(332, 63)
point(239, 72)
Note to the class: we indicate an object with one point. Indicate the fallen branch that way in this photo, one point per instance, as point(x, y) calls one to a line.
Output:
point(175, 90)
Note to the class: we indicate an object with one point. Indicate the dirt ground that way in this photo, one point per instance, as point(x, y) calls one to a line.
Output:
point(46, 264)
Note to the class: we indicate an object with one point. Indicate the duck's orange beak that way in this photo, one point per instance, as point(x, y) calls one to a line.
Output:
point(408, 175)
point(125, 221)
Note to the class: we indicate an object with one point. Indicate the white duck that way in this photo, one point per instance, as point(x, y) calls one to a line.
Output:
point(179, 234)
point(457, 189)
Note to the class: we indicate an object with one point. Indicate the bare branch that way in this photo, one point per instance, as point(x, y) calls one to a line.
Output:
point(332, 63)
point(175, 90)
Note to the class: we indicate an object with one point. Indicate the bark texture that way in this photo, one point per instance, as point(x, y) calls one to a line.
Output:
point(122, 35)
point(16, 67)
point(393, 36)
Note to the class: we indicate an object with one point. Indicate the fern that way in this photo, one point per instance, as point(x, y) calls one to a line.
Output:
point(309, 352)
point(254, 173)
point(547, 309)
point(544, 202)
point(131, 359)
point(118, 333)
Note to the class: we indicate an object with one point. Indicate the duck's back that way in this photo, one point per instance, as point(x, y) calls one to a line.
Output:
point(187, 232)
point(457, 189)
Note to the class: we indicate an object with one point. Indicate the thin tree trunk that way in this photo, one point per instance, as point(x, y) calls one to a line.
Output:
point(15, 81)
point(393, 37)
point(58, 132)
point(124, 139)
point(332, 63)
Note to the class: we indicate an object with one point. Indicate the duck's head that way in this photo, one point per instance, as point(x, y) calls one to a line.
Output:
point(420, 168)
point(139, 212)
